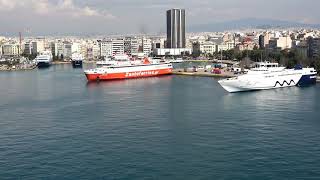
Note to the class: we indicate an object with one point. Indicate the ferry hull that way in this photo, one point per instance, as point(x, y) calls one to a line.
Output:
point(307, 80)
point(77, 64)
point(127, 75)
point(43, 64)
point(237, 85)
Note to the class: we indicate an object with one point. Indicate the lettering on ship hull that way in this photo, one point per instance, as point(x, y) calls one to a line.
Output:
point(141, 73)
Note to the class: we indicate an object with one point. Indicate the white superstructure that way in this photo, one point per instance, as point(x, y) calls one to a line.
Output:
point(44, 59)
point(77, 57)
point(268, 75)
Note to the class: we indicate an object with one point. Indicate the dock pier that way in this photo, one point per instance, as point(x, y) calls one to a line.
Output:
point(203, 73)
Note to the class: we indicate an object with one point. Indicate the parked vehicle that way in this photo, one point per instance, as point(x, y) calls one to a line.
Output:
point(216, 71)
point(195, 69)
point(236, 70)
point(201, 68)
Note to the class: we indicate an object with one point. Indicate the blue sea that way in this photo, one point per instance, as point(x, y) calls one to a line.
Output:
point(55, 125)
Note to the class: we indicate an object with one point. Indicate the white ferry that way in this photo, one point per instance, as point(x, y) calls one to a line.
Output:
point(268, 75)
point(44, 59)
point(77, 60)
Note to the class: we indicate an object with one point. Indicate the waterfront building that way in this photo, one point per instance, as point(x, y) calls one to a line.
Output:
point(2, 38)
point(75, 47)
point(27, 48)
point(146, 46)
point(225, 46)
point(264, 40)
point(176, 33)
point(172, 51)
point(207, 47)
point(1, 49)
point(302, 49)
point(313, 47)
point(117, 46)
point(284, 42)
point(34, 48)
point(131, 45)
point(247, 44)
point(280, 43)
point(57, 49)
point(84, 50)
point(38, 46)
point(95, 52)
point(11, 49)
point(67, 49)
point(158, 43)
point(106, 48)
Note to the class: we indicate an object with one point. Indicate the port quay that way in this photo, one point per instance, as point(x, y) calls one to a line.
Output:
point(193, 102)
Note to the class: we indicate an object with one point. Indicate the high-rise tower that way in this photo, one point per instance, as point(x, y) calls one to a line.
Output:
point(176, 28)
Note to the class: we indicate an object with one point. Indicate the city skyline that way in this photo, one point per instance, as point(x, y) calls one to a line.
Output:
point(49, 17)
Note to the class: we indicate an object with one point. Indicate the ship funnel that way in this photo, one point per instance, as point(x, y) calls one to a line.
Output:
point(146, 61)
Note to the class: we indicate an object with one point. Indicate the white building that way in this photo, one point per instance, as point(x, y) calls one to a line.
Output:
point(75, 48)
point(158, 43)
point(205, 47)
point(106, 48)
point(117, 46)
point(131, 45)
point(27, 49)
point(67, 49)
point(96, 50)
point(171, 52)
point(2, 38)
point(84, 50)
point(12, 49)
point(57, 49)
point(225, 46)
point(281, 43)
point(0, 49)
point(38, 46)
point(146, 46)
point(284, 42)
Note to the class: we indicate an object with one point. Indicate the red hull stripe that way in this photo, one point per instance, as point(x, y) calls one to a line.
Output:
point(128, 75)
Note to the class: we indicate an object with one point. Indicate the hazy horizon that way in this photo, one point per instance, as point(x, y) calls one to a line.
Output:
point(48, 17)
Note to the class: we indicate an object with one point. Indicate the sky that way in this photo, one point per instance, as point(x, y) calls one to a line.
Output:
point(77, 17)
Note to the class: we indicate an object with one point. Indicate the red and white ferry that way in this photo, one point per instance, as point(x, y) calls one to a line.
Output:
point(125, 69)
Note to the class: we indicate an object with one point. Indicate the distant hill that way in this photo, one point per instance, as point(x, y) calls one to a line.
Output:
point(248, 23)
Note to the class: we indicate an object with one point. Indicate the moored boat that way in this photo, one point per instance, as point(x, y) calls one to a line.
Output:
point(129, 69)
point(44, 59)
point(77, 60)
point(268, 75)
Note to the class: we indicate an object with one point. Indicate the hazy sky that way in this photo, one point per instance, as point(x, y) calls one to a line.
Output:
point(123, 16)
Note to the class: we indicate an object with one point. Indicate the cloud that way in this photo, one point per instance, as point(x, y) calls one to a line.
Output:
point(7, 5)
point(46, 7)
point(40, 6)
